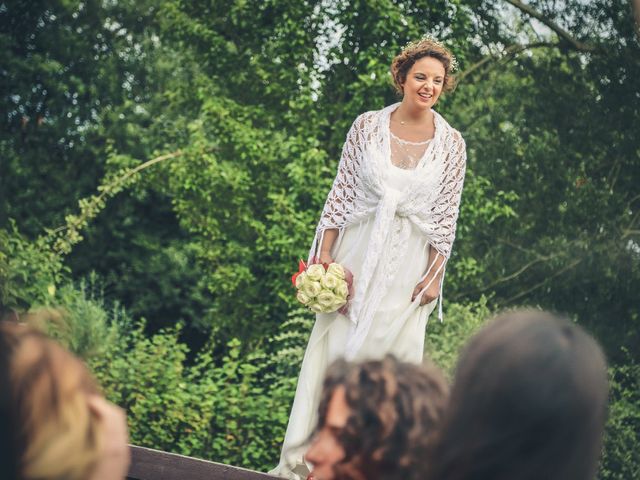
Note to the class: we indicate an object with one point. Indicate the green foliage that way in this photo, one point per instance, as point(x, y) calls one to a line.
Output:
point(569, 244)
point(83, 324)
point(67, 64)
point(621, 456)
point(231, 407)
point(29, 271)
point(444, 340)
point(260, 146)
point(62, 239)
point(232, 410)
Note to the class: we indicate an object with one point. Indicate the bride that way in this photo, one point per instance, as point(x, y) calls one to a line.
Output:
point(390, 218)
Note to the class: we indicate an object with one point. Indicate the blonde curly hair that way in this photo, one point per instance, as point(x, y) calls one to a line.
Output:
point(425, 47)
point(52, 434)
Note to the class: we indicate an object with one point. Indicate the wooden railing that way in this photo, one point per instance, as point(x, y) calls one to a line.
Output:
point(149, 464)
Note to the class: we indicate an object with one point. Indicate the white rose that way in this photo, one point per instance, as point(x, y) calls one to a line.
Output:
point(342, 291)
point(315, 272)
point(339, 303)
point(302, 298)
point(337, 270)
point(311, 289)
point(300, 279)
point(326, 299)
point(315, 307)
point(330, 281)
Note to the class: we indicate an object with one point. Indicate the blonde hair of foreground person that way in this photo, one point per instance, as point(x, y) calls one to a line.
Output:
point(54, 424)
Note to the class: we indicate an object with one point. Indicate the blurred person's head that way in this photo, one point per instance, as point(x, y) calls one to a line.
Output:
point(54, 424)
point(376, 419)
point(528, 403)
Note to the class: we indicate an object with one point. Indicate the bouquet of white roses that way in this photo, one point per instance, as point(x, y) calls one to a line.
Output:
point(324, 288)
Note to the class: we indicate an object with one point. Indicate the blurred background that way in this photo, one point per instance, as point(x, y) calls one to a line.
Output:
point(163, 164)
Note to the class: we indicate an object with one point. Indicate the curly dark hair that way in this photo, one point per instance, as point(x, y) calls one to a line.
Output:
point(425, 47)
point(394, 410)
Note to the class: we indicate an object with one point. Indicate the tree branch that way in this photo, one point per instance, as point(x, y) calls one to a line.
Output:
point(62, 239)
point(539, 259)
point(630, 202)
point(542, 283)
point(561, 32)
point(632, 224)
point(120, 180)
point(512, 50)
point(513, 275)
point(629, 233)
point(529, 251)
point(634, 219)
point(636, 14)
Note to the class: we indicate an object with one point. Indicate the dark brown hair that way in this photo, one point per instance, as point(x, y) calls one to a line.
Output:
point(426, 47)
point(528, 402)
point(9, 448)
point(394, 408)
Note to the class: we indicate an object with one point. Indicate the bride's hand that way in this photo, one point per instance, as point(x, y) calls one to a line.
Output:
point(429, 295)
point(325, 257)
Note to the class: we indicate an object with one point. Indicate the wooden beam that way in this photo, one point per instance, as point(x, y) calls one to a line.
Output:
point(149, 464)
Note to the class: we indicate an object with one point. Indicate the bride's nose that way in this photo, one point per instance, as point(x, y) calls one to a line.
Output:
point(427, 86)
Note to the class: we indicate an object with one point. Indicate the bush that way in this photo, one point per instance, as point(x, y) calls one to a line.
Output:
point(445, 339)
point(231, 410)
point(621, 456)
point(29, 272)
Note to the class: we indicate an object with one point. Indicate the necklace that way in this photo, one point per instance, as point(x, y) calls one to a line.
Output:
point(404, 122)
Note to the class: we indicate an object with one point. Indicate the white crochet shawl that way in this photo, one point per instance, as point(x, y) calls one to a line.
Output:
point(430, 201)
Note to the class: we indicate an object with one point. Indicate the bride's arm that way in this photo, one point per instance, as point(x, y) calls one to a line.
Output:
point(433, 278)
point(329, 238)
point(339, 205)
point(448, 208)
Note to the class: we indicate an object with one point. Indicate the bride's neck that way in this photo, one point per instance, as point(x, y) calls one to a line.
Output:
point(411, 114)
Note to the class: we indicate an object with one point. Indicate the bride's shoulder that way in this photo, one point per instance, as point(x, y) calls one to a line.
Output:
point(450, 132)
point(365, 117)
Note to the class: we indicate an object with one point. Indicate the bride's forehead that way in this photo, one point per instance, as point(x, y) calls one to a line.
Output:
point(428, 65)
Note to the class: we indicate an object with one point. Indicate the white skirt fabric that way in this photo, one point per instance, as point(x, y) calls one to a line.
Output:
point(398, 328)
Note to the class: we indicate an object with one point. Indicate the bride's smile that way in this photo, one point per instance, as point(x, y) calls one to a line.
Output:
point(424, 82)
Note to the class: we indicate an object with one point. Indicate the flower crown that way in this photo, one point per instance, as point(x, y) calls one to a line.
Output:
point(427, 37)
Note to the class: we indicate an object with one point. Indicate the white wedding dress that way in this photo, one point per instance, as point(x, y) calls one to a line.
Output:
point(398, 326)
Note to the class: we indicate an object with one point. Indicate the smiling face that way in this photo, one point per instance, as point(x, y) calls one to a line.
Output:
point(326, 449)
point(424, 83)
